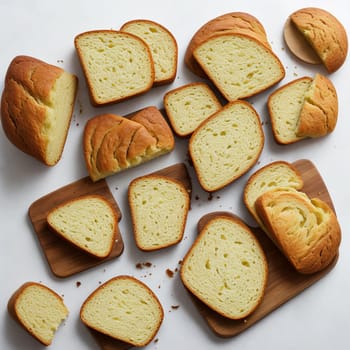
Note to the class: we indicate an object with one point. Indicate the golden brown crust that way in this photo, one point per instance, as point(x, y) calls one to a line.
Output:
point(324, 33)
point(306, 231)
point(24, 104)
point(113, 143)
point(234, 22)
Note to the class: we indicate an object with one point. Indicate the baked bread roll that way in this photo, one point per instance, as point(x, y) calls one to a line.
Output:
point(123, 308)
point(113, 143)
point(303, 108)
point(189, 105)
point(233, 22)
point(117, 65)
point(162, 44)
point(305, 230)
point(39, 310)
point(226, 268)
point(159, 206)
point(88, 222)
point(238, 65)
point(325, 34)
point(36, 107)
point(226, 145)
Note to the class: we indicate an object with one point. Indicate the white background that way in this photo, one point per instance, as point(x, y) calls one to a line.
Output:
point(316, 319)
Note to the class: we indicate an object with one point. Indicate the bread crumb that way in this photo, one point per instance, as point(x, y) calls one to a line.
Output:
point(170, 273)
point(175, 307)
point(143, 264)
point(156, 340)
point(78, 284)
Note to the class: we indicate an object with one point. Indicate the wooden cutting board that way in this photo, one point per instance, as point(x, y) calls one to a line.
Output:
point(283, 282)
point(64, 259)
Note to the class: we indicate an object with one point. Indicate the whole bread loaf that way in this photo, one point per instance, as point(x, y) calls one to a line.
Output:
point(36, 107)
point(124, 308)
point(113, 143)
point(38, 309)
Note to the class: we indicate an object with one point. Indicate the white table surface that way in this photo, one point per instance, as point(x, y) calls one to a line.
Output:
point(316, 319)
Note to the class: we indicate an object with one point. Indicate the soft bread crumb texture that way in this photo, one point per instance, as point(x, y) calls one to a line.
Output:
point(188, 106)
point(117, 65)
point(238, 65)
point(226, 145)
point(226, 268)
point(125, 309)
point(159, 208)
point(89, 223)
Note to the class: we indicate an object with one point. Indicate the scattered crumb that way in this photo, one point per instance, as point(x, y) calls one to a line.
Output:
point(180, 262)
point(210, 196)
point(99, 282)
point(156, 340)
point(117, 188)
point(196, 198)
point(175, 307)
point(78, 284)
point(77, 124)
point(60, 61)
point(170, 273)
point(143, 264)
point(138, 266)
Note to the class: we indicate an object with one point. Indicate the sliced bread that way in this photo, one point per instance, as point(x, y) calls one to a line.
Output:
point(117, 65)
point(226, 268)
point(226, 145)
point(306, 230)
point(39, 310)
point(88, 222)
point(36, 107)
point(162, 44)
point(159, 206)
point(303, 108)
point(238, 65)
point(123, 308)
point(113, 143)
point(188, 105)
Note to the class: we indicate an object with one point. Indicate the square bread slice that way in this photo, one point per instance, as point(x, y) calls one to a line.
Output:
point(159, 206)
point(117, 65)
point(226, 268)
point(189, 105)
point(124, 308)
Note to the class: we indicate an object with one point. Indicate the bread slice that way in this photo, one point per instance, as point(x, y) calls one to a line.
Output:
point(159, 206)
point(88, 222)
point(117, 65)
point(124, 308)
point(303, 108)
point(226, 268)
point(275, 175)
point(306, 230)
point(162, 44)
point(113, 143)
point(188, 105)
point(36, 107)
point(226, 145)
point(238, 65)
point(39, 310)
point(325, 34)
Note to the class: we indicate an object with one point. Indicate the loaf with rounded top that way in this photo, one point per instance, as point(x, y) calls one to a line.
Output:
point(113, 143)
point(159, 206)
point(88, 222)
point(233, 22)
point(162, 44)
point(36, 107)
point(124, 308)
point(117, 65)
point(189, 105)
point(305, 230)
point(326, 35)
point(226, 268)
point(238, 65)
point(39, 310)
point(226, 145)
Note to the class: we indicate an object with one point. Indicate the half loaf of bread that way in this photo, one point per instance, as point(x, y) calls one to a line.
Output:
point(226, 268)
point(39, 310)
point(88, 222)
point(113, 143)
point(226, 145)
point(123, 308)
point(117, 65)
point(238, 65)
point(162, 44)
point(303, 108)
point(36, 107)
point(159, 206)
point(305, 230)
